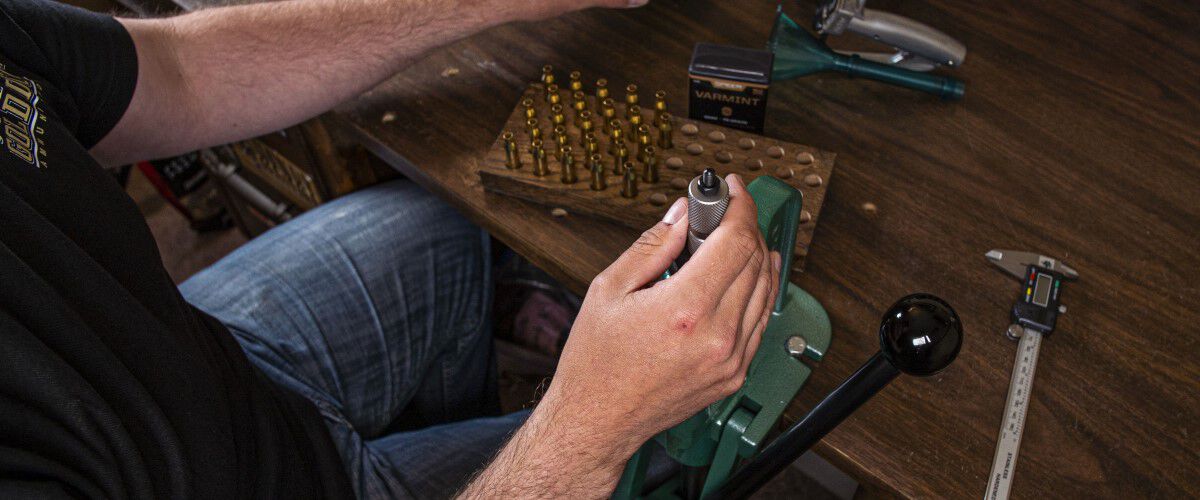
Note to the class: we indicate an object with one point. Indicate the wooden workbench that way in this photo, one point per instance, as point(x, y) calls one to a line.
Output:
point(1079, 137)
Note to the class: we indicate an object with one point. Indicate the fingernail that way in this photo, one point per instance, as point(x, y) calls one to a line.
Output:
point(676, 212)
point(735, 182)
point(776, 260)
point(637, 3)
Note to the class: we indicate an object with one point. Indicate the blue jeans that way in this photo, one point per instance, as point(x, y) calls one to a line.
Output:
point(377, 308)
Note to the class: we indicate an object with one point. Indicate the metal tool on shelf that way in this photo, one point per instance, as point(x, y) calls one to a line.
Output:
point(919, 47)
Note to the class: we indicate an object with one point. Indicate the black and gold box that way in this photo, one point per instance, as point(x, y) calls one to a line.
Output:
point(729, 85)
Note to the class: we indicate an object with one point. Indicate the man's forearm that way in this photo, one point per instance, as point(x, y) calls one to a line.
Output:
point(234, 72)
point(555, 455)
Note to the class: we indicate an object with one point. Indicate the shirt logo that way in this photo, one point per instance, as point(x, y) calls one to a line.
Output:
point(20, 119)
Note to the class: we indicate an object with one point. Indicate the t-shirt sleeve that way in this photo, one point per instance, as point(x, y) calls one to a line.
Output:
point(89, 56)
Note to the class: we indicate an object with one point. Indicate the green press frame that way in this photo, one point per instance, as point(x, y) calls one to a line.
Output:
point(735, 427)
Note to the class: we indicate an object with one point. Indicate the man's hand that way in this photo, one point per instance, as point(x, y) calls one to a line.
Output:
point(644, 355)
point(231, 73)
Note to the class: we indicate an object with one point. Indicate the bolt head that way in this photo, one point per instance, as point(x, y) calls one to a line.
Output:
point(796, 345)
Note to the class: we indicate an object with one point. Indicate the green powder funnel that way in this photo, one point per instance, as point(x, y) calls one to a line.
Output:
point(798, 53)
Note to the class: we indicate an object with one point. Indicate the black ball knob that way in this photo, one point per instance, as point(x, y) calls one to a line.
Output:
point(920, 334)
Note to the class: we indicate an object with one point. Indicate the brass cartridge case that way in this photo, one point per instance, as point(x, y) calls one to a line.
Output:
point(575, 84)
point(608, 113)
point(616, 136)
point(591, 144)
point(530, 111)
point(599, 183)
point(512, 157)
point(579, 104)
point(650, 166)
point(629, 188)
point(539, 159)
point(531, 126)
point(568, 166)
point(620, 158)
point(660, 105)
point(635, 121)
point(560, 140)
point(585, 126)
point(556, 115)
point(643, 142)
point(665, 132)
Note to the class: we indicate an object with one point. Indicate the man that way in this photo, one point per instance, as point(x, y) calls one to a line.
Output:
point(312, 361)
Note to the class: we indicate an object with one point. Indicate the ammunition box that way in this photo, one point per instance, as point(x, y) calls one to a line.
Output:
point(728, 86)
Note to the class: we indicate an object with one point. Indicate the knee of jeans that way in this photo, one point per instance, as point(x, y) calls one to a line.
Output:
point(403, 221)
point(397, 210)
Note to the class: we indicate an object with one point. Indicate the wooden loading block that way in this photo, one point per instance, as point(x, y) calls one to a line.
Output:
point(696, 145)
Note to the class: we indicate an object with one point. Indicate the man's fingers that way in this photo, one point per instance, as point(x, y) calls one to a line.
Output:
point(743, 300)
point(736, 303)
point(724, 254)
point(764, 317)
point(649, 256)
point(753, 340)
point(751, 314)
point(755, 309)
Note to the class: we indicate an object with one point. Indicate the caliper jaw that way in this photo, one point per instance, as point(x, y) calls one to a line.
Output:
point(1015, 262)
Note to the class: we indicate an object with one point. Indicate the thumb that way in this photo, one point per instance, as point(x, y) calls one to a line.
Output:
point(650, 255)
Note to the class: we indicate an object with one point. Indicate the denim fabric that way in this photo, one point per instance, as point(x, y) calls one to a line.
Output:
point(376, 307)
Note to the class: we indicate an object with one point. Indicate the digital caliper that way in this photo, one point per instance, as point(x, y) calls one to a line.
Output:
point(1033, 316)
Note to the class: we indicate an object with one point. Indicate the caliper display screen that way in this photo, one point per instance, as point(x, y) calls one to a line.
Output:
point(1041, 290)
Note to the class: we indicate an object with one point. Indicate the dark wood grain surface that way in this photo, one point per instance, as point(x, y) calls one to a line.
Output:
point(1079, 137)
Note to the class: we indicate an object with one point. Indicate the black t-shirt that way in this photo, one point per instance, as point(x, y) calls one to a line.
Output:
point(111, 385)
